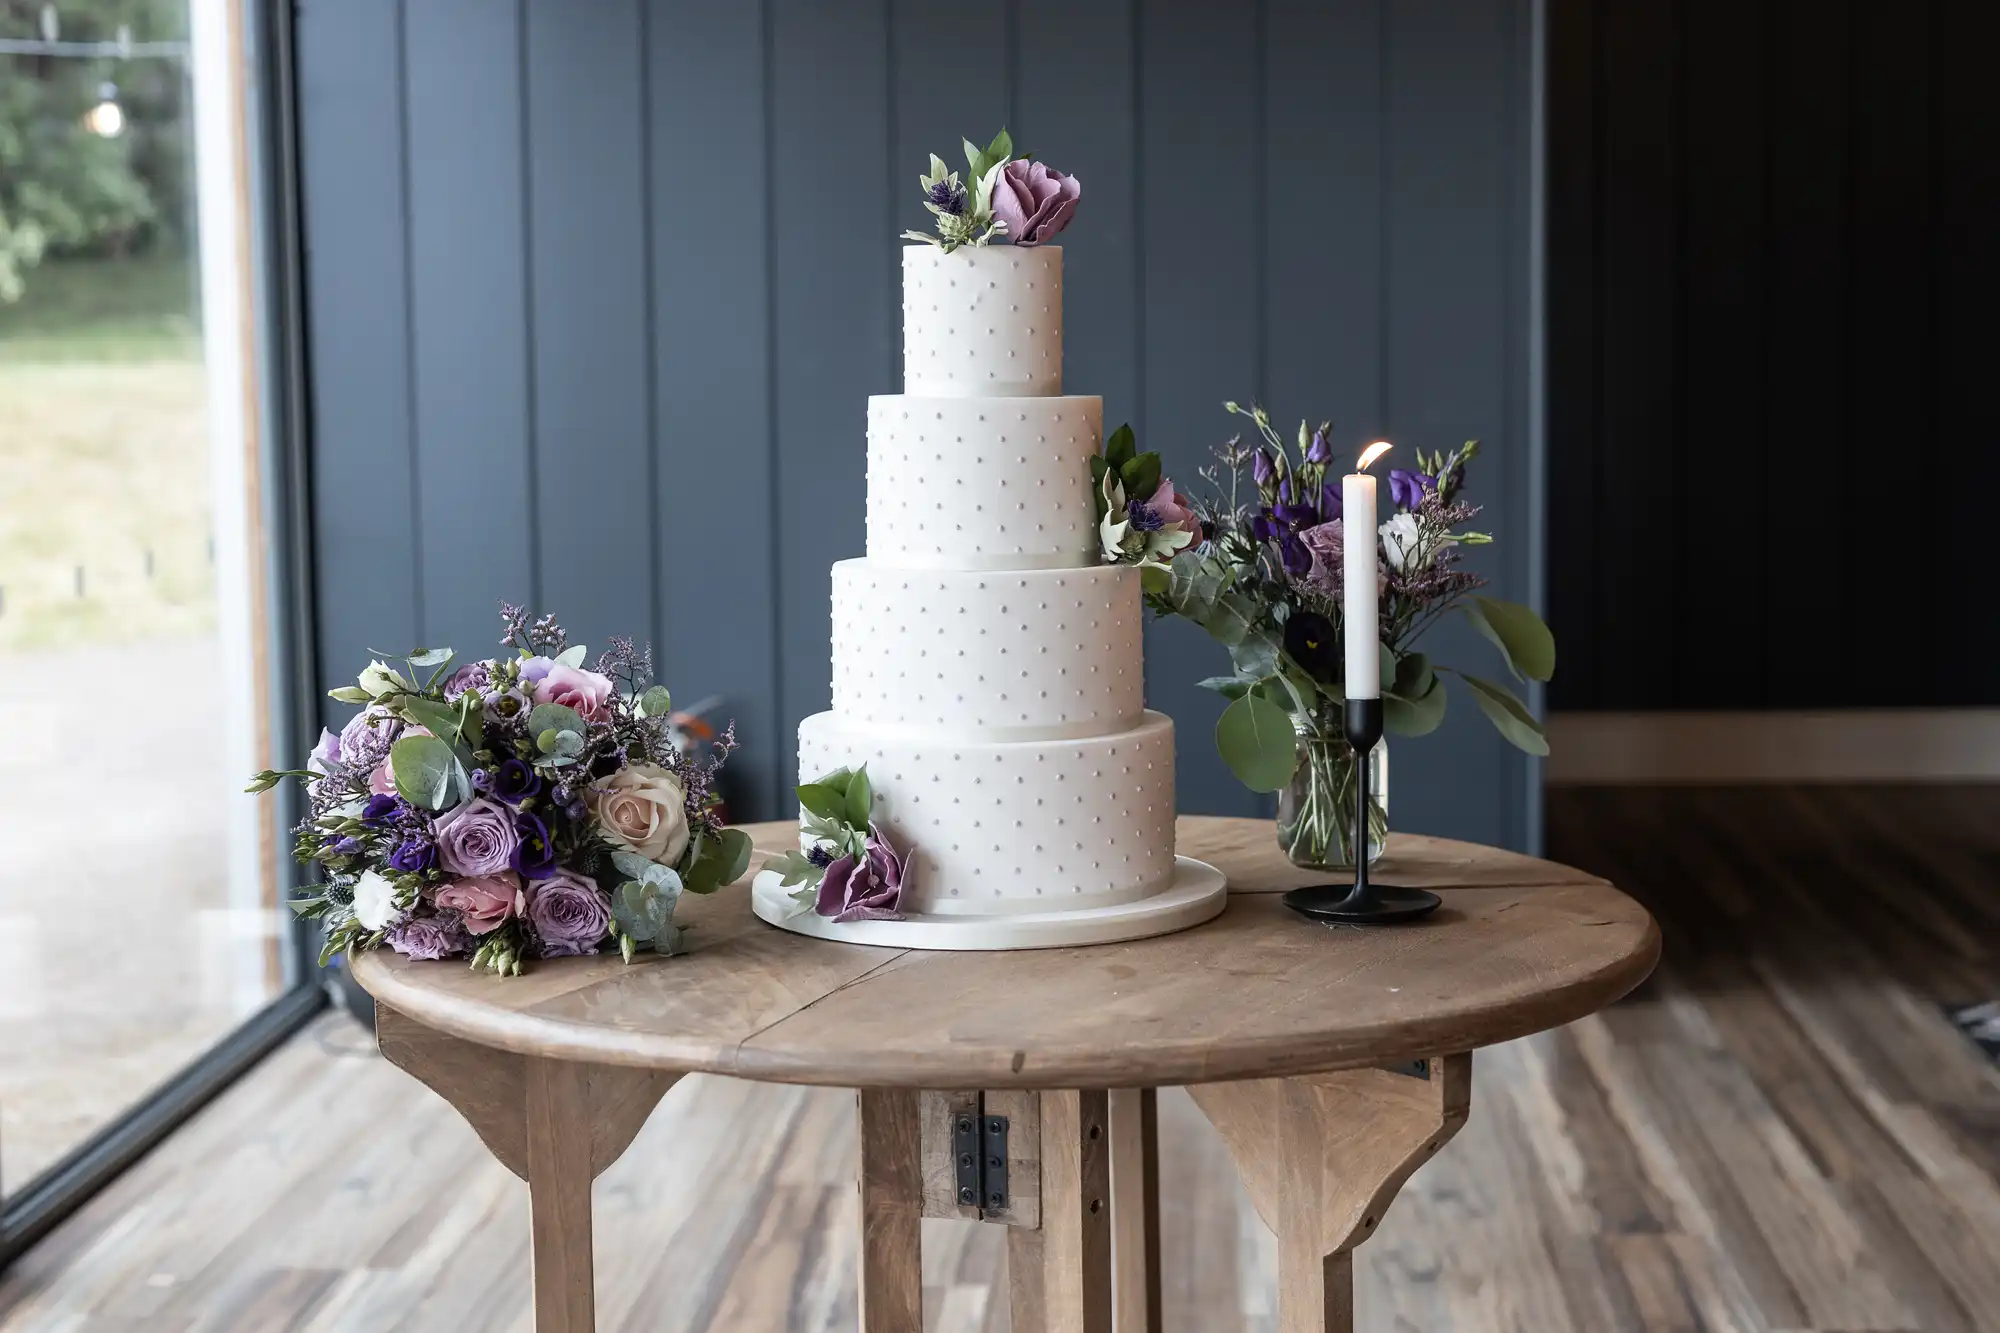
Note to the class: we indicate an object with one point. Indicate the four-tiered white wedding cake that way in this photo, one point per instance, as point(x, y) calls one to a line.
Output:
point(986, 666)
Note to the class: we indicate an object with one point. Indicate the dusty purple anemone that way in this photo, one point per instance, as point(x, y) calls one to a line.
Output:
point(864, 888)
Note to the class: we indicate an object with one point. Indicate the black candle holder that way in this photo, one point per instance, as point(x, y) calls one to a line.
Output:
point(1364, 903)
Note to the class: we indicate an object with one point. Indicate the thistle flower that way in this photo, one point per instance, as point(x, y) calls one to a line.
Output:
point(945, 196)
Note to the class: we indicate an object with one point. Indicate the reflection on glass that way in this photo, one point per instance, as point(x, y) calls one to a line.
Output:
point(136, 925)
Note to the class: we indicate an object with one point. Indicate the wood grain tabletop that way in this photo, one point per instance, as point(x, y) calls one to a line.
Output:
point(1519, 946)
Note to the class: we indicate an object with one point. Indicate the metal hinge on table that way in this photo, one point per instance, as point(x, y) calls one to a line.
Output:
point(979, 1151)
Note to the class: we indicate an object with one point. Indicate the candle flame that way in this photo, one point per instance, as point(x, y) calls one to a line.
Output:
point(1371, 453)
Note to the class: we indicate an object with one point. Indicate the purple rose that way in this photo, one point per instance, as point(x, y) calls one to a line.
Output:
point(869, 888)
point(429, 938)
point(471, 676)
point(413, 855)
point(570, 914)
point(534, 855)
point(368, 735)
point(1033, 201)
point(514, 782)
point(477, 838)
point(1408, 489)
point(381, 809)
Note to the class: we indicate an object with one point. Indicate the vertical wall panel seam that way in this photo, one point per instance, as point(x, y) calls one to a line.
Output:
point(1260, 202)
point(1678, 118)
point(1010, 26)
point(1762, 681)
point(1139, 412)
point(773, 509)
point(410, 320)
point(654, 501)
point(1599, 516)
point(530, 397)
point(1528, 284)
point(1385, 103)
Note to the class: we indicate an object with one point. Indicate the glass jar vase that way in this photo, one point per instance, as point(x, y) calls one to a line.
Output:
point(1316, 808)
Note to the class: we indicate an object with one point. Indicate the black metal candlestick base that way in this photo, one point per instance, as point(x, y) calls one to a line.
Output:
point(1364, 903)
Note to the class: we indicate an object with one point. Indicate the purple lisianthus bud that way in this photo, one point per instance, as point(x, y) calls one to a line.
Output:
point(1284, 491)
point(413, 855)
point(1321, 449)
point(514, 782)
point(1408, 489)
point(534, 855)
point(348, 846)
point(1297, 559)
point(1263, 468)
point(381, 810)
point(864, 888)
point(477, 838)
point(1329, 499)
point(1033, 201)
point(429, 938)
point(570, 914)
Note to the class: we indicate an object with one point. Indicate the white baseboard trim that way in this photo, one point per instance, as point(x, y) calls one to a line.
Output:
point(1861, 745)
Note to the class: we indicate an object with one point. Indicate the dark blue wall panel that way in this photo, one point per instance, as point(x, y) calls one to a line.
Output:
point(611, 280)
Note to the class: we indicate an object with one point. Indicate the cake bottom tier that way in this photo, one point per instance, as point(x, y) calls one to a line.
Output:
point(1000, 827)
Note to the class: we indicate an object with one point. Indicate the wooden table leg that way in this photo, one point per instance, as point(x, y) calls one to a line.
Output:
point(1059, 1277)
point(1322, 1158)
point(1135, 1210)
point(892, 1210)
point(556, 1124)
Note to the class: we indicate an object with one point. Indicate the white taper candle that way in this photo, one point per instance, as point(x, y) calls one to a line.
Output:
point(1357, 574)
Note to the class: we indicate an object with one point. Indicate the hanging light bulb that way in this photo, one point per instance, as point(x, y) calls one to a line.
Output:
point(107, 118)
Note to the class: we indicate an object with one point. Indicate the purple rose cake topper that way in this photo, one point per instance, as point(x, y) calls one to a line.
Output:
point(1034, 202)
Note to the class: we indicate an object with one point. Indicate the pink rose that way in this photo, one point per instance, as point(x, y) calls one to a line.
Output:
point(383, 780)
point(484, 901)
point(583, 692)
point(1033, 201)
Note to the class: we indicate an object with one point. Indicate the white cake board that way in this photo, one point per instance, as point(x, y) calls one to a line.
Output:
point(1197, 894)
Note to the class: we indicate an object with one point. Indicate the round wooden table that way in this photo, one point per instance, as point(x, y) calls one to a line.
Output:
point(1017, 1088)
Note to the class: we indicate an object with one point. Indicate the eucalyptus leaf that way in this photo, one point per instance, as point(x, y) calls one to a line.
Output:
point(860, 798)
point(1385, 663)
point(656, 702)
point(824, 800)
point(441, 719)
point(1229, 687)
point(718, 861)
point(554, 717)
point(1256, 740)
point(1510, 717)
point(644, 909)
point(1412, 677)
point(471, 719)
point(1256, 654)
point(1415, 717)
point(429, 657)
point(423, 766)
point(573, 655)
point(1523, 640)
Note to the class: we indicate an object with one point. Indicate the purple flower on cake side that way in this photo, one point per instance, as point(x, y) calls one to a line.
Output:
point(570, 913)
point(477, 838)
point(1034, 201)
point(864, 888)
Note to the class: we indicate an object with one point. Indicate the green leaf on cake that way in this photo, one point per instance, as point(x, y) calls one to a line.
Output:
point(860, 798)
point(1255, 739)
point(825, 800)
point(1121, 448)
point(1141, 476)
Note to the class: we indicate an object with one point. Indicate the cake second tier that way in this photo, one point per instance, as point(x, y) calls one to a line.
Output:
point(1035, 654)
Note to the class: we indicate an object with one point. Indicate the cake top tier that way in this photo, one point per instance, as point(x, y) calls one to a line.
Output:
point(982, 321)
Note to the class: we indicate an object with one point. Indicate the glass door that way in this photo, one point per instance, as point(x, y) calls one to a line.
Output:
point(143, 579)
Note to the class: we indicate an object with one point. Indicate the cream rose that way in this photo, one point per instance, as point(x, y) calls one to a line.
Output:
point(644, 808)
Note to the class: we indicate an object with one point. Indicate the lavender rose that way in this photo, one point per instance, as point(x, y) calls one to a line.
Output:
point(368, 734)
point(570, 914)
point(477, 838)
point(429, 938)
point(471, 676)
point(584, 692)
point(1033, 201)
point(483, 902)
point(868, 888)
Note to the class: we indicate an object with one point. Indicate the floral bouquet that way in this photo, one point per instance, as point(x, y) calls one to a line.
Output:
point(1262, 574)
point(846, 869)
point(1009, 198)
point(515, 808)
